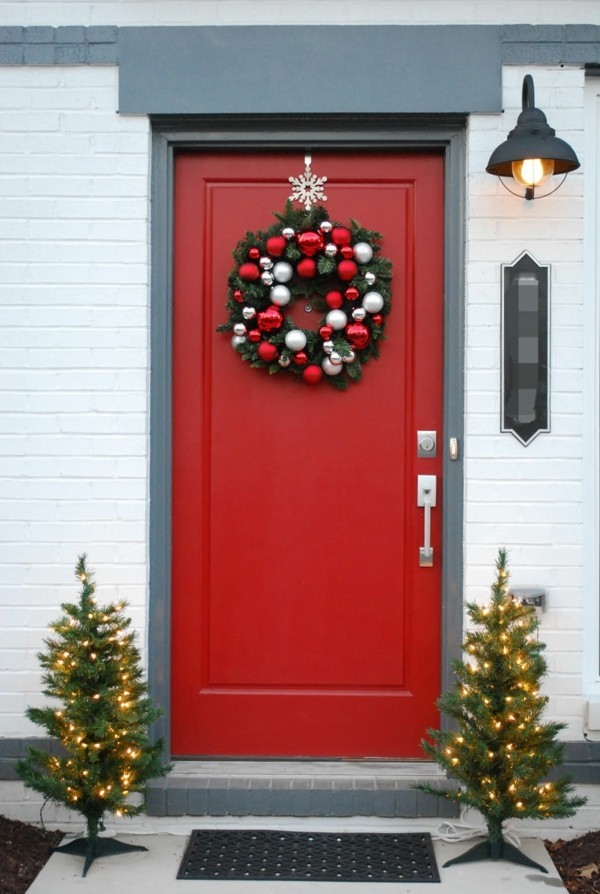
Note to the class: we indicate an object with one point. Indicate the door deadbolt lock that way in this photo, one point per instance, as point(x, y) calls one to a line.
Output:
point(426, 444)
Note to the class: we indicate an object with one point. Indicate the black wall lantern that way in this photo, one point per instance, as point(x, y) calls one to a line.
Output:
point(532, 153)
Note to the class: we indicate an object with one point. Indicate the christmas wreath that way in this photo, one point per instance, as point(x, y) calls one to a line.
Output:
point(333, 269)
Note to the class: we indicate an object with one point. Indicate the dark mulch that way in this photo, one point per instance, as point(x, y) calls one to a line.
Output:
point(578, 862)
point(24, 850)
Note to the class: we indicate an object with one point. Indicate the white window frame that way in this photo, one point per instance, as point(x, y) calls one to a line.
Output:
point(591, 394)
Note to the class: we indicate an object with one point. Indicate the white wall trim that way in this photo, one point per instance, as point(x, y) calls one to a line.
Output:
point(591, 394)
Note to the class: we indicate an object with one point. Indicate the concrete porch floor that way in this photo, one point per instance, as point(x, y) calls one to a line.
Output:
point(154, 872)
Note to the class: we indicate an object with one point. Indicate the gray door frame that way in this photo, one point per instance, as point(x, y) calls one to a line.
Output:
point(345, 132)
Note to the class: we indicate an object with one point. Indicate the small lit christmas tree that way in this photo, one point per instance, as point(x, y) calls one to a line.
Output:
point(101, 716)
point(499, 749)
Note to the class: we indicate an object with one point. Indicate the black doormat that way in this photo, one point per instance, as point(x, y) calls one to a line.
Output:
point(305, 856)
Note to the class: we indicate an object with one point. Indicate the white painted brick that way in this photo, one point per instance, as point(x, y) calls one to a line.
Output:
point(550, 449)
point(529, 498)
point(526, 534)
point(567, 708)
point(563, 619)
point(564, 663)
point(73, 228)
point(268, 12)
point(525, 511)
point(569, 595)
point(562, 494)
point(23, 121)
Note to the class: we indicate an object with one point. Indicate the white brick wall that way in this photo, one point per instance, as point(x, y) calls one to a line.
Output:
point(529, 499)
point(73, 357)
point(300, 12)
point(74, 179)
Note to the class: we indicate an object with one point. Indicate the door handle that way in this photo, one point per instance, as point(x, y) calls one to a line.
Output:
point(427, 498)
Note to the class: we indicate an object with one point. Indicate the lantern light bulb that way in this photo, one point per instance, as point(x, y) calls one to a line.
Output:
point(531, 172)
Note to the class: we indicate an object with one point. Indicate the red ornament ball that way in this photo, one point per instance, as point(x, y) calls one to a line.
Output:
point(254, 336)
point(341, 236)
point(358, 335)
point(347, 270)
point(249, 272)
point(269, 319)
point(326, 332)
point(238, 295)
point(306, 268)
point(377, 319)
point(347, 251)
point(312, 374)
point(276, 245)
point(300, 358)
point(254, 253)
point(310, 243)
point(334, 299)
point(267, 351)
point(351, 293)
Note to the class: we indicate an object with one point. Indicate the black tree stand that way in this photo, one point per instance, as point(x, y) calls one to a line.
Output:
point(495, 848)
point(93, 848)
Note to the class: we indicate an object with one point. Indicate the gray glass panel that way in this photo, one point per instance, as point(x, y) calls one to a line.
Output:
point(525, 403)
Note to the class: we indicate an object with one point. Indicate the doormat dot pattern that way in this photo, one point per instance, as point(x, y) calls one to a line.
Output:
point(305, 856)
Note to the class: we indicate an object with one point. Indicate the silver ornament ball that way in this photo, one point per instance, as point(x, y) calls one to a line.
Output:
point(358, 314)
point(288, 233)
point(329, 368)
point(350, 357)
point(237, 340)
point(284, 360)
point(370, 278)
point(239, 329)
point(335, 358)
point(282, 271)
point(331, 249)
point(372, 302)
point(326, 226)
point(266, 263)
point(267, 278)
point(362, 252)
point(280, 295)
point(337, 319)
point(295, 340)
point(248, 312)
point(328, 346)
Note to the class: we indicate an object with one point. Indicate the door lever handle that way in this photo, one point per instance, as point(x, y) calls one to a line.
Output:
point(427, 498)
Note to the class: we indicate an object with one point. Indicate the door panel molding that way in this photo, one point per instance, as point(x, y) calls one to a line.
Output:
point(374, 132)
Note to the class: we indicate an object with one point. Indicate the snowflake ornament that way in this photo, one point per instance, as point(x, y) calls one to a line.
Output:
point(308, 188)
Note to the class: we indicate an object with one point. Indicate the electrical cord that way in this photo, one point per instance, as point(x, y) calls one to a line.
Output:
point(461, 830)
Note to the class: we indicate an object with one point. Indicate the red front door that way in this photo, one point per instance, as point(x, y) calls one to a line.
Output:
point(303, 623)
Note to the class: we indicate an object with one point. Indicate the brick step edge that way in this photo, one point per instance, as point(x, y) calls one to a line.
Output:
point(235, 796)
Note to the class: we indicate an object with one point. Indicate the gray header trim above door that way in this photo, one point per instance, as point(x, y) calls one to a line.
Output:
point(97, 44)
point(310, 70)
